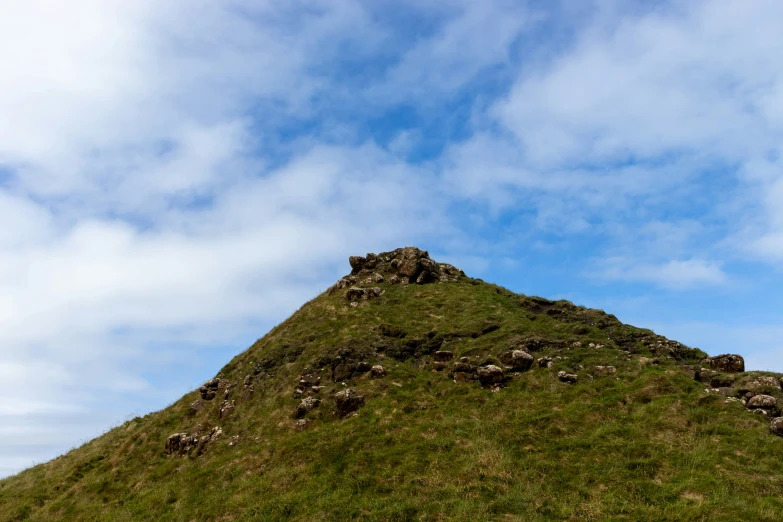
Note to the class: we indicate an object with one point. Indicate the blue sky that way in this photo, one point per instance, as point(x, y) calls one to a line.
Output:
point(176, 177)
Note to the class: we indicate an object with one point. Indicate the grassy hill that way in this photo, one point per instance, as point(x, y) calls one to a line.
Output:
point(409, 392)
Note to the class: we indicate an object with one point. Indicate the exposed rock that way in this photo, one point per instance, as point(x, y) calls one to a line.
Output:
point(302, 424)
point(378, 371)
point(567, 377)
point(363, 367)
point(462, 367)
point(180, 443)
point(439, 366)
point(357, 263)
point(545, 362)
point(226, 409)
point(355, 293)
point(403, 265)
point(248, 382)
point(305, 406)
point(209, 389)
point(490, 374)
point(520, 361)
point(605, 370)
point(760, 384)
point(729, 363)
point(196, 406)
point(766, 402)
point(342, 372)
point(443, 356)
point(776, 426)
point(348, 401)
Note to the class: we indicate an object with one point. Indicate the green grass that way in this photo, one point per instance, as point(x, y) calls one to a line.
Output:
point(645, 444)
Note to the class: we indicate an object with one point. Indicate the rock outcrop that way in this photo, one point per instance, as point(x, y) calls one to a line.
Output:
point(730, 363)
point(408, 265)
point(183, 443)
point(209, 389)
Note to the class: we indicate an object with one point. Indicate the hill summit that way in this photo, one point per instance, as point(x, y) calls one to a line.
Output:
point(410, 391)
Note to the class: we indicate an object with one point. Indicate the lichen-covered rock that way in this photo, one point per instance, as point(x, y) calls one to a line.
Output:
point(729, 363)
point(519, 360)
point(776, 426)
point(403, 265)
point(490, 374)
point(226, 409)
point(348, 401)
point(766, 402)
point(378, 371)
point(180, 443)
point(306, 406)
point(209, 389)
point(545, 362)
point(570, 378)
point(302, 424)
point(605, 370)
point(355, 293)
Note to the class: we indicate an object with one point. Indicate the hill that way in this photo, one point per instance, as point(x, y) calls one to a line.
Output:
point(410, 391)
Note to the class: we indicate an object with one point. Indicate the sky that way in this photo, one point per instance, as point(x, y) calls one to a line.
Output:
point(178, 176)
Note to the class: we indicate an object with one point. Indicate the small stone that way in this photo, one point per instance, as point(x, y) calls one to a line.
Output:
point(605, 370)
point(302, 424)
point(306, 406)
point(348, 401)
point(393, 280)
point(567, 377)
point(545, 362)
point(363, 367)
point(378, 371)
point(226, 408)
point(342, 372)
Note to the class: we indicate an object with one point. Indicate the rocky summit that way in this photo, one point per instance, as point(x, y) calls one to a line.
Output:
point(410, 391)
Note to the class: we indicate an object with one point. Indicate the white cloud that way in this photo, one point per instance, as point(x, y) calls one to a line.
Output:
point(674, 274)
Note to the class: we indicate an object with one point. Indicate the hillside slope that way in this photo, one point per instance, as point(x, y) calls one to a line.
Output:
point(409, 391)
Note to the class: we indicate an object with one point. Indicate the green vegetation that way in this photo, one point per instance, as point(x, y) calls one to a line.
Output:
point(646, 443)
